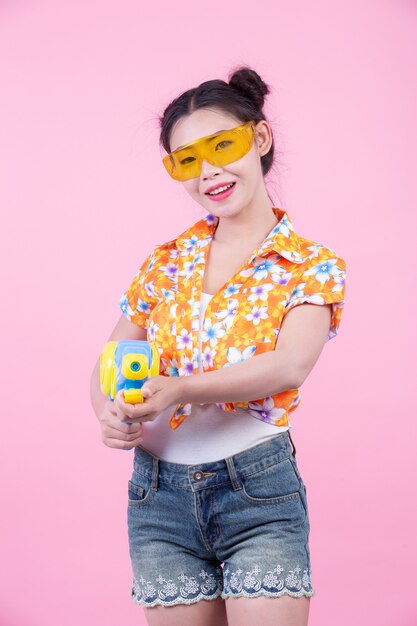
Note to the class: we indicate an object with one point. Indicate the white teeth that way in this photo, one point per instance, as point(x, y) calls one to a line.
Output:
point(220, 189)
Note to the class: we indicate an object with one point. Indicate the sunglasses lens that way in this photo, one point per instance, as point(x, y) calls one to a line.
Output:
point(224, 148)
point(188, 163)
point(182, 165)
point(230, 146)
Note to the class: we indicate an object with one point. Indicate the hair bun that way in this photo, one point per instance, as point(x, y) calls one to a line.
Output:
point(250, 84)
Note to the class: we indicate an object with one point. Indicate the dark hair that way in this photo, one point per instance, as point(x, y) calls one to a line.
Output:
point(243, 98)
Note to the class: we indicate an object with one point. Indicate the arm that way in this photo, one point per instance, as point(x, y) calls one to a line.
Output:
point(124, 329)
point(301, 339)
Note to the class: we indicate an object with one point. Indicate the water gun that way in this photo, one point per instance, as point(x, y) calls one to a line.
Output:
point(127, 365)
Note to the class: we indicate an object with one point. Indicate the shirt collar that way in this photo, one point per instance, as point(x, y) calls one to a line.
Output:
point(281, 239)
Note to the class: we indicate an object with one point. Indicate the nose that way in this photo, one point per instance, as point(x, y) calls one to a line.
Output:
point(207, 169)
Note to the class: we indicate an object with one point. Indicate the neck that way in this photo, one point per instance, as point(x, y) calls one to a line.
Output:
point(251, 225)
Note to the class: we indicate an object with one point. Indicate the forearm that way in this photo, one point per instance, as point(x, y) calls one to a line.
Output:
point(98, 399)
point(260, 376)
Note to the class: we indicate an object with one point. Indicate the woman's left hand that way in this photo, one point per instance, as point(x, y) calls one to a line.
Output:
point(159, 392)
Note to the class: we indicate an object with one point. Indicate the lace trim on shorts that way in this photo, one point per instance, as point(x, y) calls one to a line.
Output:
point(238, 583)
point(167, 592)
point(250, 583)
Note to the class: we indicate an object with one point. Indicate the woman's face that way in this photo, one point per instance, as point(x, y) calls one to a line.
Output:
point(246, 173)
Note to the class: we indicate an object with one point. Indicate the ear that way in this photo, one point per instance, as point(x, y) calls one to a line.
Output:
point(263, 137)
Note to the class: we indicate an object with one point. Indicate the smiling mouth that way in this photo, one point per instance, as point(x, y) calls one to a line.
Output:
point(218, 193)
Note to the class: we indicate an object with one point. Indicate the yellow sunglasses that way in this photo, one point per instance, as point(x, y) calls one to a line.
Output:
point(218, 149)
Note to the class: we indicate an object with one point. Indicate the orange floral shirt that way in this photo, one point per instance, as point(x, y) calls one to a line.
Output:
point(244, 317)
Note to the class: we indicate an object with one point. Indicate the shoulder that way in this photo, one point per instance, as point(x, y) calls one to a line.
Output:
point(160, 266)
point(162, 252)
point(315, 253)
point(168, 251)
point(186, 240)
point(323, 276)
point(323, 268)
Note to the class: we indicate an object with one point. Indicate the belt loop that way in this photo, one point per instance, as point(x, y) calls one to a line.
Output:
point(232, 473)
point(292, 443)
point(155, 473)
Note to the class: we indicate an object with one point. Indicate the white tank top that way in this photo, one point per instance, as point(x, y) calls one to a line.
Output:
point(209, 433)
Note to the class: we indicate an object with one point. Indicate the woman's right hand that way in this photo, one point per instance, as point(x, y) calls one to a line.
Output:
point(116, 433)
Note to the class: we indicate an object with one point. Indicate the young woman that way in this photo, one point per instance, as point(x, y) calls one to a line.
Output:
point(217, 510)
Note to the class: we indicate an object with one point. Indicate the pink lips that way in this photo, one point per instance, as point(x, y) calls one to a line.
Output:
point(223, 195)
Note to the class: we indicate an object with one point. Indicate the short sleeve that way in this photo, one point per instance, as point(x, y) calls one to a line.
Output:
point(138, 300)
point(322, 281)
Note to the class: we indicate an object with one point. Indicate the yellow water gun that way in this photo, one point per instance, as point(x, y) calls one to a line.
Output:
point(127, 365)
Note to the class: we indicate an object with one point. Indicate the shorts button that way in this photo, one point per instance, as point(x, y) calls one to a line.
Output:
point(198, 475)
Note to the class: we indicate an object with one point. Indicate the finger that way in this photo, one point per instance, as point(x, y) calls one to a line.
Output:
point(139, 420)
point(122, 414)
point(142, 417)
point(121, 445)
point(111, 431)
point(122, 407)
point(125, 427)
point(126, 411)
point(111, 408)
point(139, 412)
point(147, 392)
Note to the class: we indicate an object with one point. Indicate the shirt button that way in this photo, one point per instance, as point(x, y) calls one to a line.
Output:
point(198, 475)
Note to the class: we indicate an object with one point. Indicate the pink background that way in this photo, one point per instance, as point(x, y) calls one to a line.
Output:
point(82, 192)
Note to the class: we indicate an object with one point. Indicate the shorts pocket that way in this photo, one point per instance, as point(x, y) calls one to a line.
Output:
point(297, 472)
point(139, 490)
point(271, 485)
point(303, 489)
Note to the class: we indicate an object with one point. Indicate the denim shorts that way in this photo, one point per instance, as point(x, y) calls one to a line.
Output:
point(234, 527)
